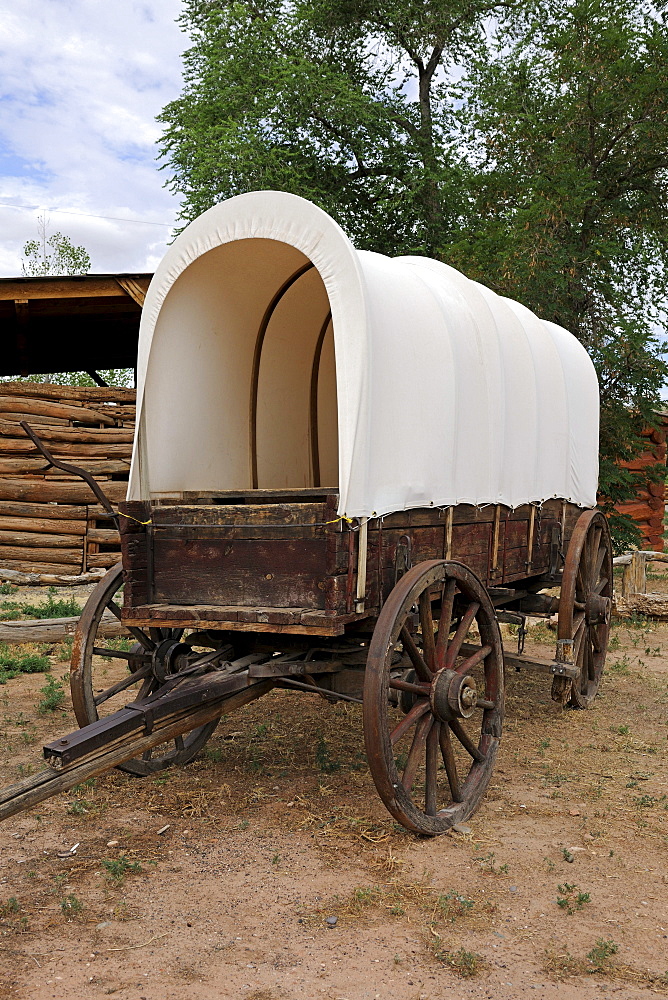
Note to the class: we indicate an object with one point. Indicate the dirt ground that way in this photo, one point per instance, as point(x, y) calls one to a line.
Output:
point(279, 875)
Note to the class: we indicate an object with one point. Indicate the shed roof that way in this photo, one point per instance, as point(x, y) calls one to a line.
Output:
point(70, 323)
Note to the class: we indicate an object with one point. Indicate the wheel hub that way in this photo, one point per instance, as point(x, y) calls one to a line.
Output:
point(598, 609)
point(453, 695)
point(164, 659)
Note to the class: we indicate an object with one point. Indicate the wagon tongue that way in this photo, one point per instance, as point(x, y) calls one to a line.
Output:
point(133, 730)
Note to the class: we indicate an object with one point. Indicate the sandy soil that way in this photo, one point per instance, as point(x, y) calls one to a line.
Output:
point(277, 827)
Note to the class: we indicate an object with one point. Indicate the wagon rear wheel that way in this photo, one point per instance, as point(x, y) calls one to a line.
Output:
point(431, 746)
point(106, 675)
point(584, 608)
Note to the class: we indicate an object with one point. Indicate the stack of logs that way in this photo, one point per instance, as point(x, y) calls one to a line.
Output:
point(50, 522)
point(647, 509)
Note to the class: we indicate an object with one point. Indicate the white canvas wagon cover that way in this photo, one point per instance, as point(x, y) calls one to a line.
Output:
point(273, 354)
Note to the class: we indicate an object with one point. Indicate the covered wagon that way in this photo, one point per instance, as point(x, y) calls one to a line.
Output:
point(347, 470)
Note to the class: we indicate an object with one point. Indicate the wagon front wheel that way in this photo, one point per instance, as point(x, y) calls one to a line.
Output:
point(434, 697)
point(106, 674)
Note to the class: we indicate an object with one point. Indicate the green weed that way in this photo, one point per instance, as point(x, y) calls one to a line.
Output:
point(621, 667)
point(453, 905)
point(571, 899)
point(14, 662)
point(53, 695)
point(600, 954)
point(464, 963)
point(71, 907)
point(324, 761)
point(117, 869)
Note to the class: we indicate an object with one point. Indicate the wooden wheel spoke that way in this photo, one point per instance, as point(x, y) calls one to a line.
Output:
point(116, 654)
point(449, 762)
point(466, 741)
point(421, 668)
point(587, 666)
point(417, 748)
point(595, 639)
point(114, 608)
point(600, 585)
point(473, 660)
point(459, 636)
point(178, 743)
point(431, 771)
point(599, 563)
point(427, 626)
point(401, 685)
point(416, 712)
point(447, 604)
point(121, 685)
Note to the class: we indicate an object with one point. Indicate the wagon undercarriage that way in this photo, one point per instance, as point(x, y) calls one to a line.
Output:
point(427, 665)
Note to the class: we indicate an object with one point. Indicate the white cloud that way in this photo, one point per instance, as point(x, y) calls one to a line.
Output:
point(81, 82)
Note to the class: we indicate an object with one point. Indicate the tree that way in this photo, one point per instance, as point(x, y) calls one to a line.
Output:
point(56, 255)
point(526, 144)
point(53, 254)
point(345, 102)
point(569, 196)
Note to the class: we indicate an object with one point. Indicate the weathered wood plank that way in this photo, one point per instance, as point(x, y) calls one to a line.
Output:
point(49, 408)
point(251, 573)
point(102, 559)
point(41, 539)
point(43, 555)
point(104, 536)
point(39, 511)
point(96, 466)
point(54, 629)
point(52, 490)
point(48, 526)
point(31, 567)
point(70, 451)
point(61, 432)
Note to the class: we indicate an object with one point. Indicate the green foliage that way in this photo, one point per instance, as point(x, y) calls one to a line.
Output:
point(465, 963)
point(452, 905)
point(13, 662)
point(323, 758)
point(71, 907)
point(119, 867)
point(600, 954)
point(53, 607)
point(8, 588)
point(55, 254)
point(53, 695)
point(112, 376)
point(570, 898)
point(345, 102)
point(542, 172)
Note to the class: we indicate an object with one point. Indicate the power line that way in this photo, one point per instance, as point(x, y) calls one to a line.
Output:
point(85, 215)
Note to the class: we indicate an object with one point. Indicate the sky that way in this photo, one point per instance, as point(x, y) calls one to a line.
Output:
point(81, 83)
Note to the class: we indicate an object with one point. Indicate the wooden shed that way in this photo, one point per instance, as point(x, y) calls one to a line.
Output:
point(50, 523)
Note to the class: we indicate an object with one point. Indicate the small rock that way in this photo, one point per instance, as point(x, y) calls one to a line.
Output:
point(461, 828)
point(573, 812)
point(513, 888)
point(112, 843)
point(332, 921)
point(163, 829)
point(105, 923)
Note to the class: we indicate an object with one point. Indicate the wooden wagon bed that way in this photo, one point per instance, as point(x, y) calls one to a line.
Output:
point(282, 561)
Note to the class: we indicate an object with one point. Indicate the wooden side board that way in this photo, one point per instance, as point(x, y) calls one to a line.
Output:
point(290, 552)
